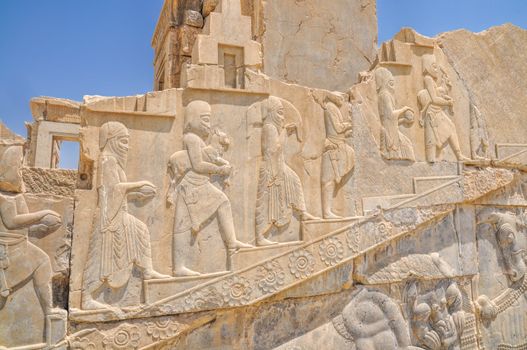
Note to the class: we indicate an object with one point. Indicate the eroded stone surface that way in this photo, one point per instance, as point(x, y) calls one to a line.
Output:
point(242, 211)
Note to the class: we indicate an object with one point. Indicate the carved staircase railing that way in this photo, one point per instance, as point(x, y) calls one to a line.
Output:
point(299, 262)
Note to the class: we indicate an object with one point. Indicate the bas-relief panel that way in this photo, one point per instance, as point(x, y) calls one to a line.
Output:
point(34, 261)
point(218, 198)
point(223, 143)
point(502, 287)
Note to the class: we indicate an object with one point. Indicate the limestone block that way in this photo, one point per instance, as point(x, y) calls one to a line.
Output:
point(492, 65)
point(205, 50)
point(55, 109)
point(323, 44)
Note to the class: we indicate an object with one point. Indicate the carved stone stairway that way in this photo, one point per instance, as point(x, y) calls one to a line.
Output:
point(427, 191)
point(326, 246)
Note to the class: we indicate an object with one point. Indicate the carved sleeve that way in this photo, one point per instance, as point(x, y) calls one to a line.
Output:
point(192, 144)
point(431, 87)
point(15, 214)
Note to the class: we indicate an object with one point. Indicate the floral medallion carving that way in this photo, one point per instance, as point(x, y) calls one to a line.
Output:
point(331, 251)
point(301, 263)
point(125, 337)
point(237, 291)
point(82, 344)
point(353, 239)
point(270, 277)
point(206, 298)
point(383, 231)
point(161, 330)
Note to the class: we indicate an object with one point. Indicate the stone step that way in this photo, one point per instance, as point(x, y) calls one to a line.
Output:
point(159, 289)
point(314, 229)
point(427, 191)
point(280, 267)
point(239, 258)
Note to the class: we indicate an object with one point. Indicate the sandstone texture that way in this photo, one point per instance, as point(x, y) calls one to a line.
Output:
point(267, 196)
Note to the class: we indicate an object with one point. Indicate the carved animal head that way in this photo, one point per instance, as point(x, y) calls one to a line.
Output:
point(220, 140)
point(512, 244)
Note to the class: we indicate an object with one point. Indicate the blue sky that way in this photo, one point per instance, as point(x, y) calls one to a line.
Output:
point(68, 49)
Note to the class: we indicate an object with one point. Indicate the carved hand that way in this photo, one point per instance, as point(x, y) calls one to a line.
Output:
point(432, 340)
point(290, 128)
point(51, 220)
point(50, 212)
point(225, 170)
point(147, 183)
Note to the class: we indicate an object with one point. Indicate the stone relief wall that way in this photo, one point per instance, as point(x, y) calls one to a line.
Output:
point(304, 42)
point(244, 212)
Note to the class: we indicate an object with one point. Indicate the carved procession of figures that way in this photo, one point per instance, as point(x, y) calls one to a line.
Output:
point(391, 216)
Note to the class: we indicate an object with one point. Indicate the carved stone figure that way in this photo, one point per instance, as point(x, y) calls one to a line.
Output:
point(443, 322)
point(119, 240)
point(196, 198)
point(394, 144)
point(479, 136)
point(437, 317)
point(439, 129)
point(338, 158)
point(373, 321)
point(22, 262)
point(513, 246)
point(179, 163)
point(279, 187)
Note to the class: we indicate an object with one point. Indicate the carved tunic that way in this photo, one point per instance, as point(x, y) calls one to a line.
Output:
point(197, 199)
point(119, 240)
point(279, 187)
point(438, 126)
point(338, 158)
point(394, 144)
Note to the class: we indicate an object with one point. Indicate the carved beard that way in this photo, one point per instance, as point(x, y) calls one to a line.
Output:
point(276, 120)
point(120, 152)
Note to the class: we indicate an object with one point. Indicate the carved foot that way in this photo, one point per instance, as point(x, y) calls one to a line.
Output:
point(462, 158)
point(237, 245)
point(330, 215)
point(185, 272)
point(262, 241)
point(154, 275)
point(91, 304)
point(306, 216)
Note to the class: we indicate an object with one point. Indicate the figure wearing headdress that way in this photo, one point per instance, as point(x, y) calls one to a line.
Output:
point(439, 129)
point(195, 198)
point(394, 144)
point(279, 190)
point(119, 240)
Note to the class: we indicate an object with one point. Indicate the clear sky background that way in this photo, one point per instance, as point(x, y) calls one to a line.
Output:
point(68, 48)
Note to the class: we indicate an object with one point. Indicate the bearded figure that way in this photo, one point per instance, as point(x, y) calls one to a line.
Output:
point(119, 241)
